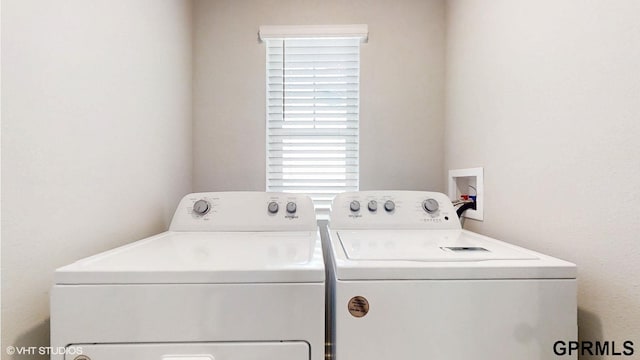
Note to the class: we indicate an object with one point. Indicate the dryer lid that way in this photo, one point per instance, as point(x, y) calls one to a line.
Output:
point(204, 257)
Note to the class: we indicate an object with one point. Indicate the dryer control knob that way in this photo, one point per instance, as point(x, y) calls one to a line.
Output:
point(389, 205)
point(354, 206)
point(373, 205)
point(291, 207)
point(273, 207)
point(201, 207)
point(430, 205)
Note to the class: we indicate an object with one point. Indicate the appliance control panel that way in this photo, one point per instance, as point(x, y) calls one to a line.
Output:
point(244, 211)
point(393, 210)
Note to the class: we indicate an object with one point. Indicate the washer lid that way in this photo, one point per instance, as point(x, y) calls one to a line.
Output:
point(204, 257)
point(437, 254)
point(427, 246)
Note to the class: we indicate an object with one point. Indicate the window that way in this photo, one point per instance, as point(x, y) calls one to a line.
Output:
point(313, 116)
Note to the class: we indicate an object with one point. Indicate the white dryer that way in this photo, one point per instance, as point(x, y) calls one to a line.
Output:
point(238, 276)
point(406, 282)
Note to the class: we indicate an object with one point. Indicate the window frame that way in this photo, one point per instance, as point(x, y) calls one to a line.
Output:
point(324, 33)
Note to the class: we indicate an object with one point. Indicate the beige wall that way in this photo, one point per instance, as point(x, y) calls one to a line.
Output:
point(401, 106)
point(546, 96)
point(96, 138)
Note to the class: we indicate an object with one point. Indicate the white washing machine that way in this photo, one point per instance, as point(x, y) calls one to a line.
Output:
point(238, 276)
point(406, 282)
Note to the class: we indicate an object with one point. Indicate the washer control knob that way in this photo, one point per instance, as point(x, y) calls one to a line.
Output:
point(354, 206)
point(373, 205)
point(291, 207)
point(430, 205)
point(201, 207)
point(389, 205)
point(273, 207)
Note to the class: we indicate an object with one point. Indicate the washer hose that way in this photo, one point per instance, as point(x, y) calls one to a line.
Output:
point(465, 207)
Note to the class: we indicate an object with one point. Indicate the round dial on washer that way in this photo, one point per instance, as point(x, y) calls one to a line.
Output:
point(373, 205)
point(291, 207)
point(354, 206)
point(430, 205)
point(389, 205)
point(273, 207)
point(201, 207)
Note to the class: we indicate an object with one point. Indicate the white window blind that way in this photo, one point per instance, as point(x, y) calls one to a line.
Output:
point(312, 117)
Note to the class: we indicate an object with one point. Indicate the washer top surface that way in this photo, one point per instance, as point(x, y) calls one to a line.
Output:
point(204, 257)
point(416, 235)
point(426, 246)
point(437, 254)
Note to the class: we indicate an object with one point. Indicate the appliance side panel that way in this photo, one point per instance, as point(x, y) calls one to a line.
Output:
point(455, 319)
point(330, 269)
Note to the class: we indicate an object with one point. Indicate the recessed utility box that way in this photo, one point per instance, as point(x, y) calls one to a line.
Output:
point(468, 182)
